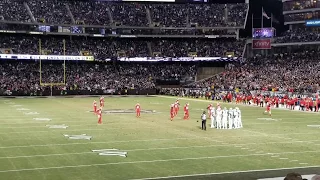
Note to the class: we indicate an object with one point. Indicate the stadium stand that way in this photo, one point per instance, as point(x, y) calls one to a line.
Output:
point(127, 14)
point(24, 76)
point(103, 48)
point(287, 72)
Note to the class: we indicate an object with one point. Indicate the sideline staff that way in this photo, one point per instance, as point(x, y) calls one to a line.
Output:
point(204, 121)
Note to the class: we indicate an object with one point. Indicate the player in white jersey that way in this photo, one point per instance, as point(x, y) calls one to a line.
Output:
point(239, 118)
point(236, 117)
point(230, 118)
point(224, 118)
point(219, 118)
point(213, 117)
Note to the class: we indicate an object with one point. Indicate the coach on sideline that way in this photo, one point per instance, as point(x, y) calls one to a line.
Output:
point(204, 121)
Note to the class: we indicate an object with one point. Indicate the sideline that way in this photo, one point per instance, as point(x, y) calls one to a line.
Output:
point(243, 105)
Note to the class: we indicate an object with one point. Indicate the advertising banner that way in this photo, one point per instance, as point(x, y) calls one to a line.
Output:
point(261, 44)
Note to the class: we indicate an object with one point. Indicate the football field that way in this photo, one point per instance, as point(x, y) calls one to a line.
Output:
point(36, 143)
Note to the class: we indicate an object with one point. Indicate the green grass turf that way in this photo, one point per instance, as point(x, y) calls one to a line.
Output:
point(156, 146)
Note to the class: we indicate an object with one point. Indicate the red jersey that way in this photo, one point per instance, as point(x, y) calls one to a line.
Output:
point(172, 108)
point(268, 107)
point(101, 100)
point(99, 113)
point(138, 107)
point(186, 108)
point(94, 104)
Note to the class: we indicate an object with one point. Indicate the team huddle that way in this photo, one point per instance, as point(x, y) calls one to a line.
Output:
point(220, 118)
point(224, 118)
point(174, 109)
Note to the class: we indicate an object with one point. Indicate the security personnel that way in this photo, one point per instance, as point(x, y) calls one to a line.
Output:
point(204, 121)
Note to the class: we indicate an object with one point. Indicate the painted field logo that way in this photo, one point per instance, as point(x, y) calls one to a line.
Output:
point(42, 119)
point(82, 136)
point(125, 111)
point(17, 105)
point(23, 109)
point(63, 126)
point(110, 152)
point(31, 113)
point(269, 119)
point(314, 126)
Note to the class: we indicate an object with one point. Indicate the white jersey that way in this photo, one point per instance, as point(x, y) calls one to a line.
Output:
point(235, 113)
point(213, 112)
point(230, 114)
point(225, 114)
point(219, 112)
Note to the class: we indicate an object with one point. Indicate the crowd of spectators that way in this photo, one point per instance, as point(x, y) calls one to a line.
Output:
point(103, 48)
point(289, 72)
point(49, 11)
point(299, 5)
point(25, 76)
point(298, 35)
point(129, 14)
point(201, 48)
point(300, 16)
point(13, 11)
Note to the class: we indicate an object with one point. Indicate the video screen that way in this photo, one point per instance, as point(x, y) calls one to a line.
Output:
point(260, 33)
point(76, 29)
point(44, 28)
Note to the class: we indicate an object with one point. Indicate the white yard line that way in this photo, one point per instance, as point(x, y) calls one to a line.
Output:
point(150, 149)
point(103, 142)
point(228, 172)
point(44, 123)
point(151, 161)
point(26, 121)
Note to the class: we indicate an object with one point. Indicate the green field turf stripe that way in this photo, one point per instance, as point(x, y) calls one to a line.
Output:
point(151, 161)
point(150, 149)
point(104, 142)
point(229, 172)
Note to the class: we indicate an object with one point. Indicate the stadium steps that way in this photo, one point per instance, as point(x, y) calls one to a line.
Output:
point(110, 15)
point(70, 14)
point(29, 12)
point(150, 49)
point(207, 72)
point(149, 16)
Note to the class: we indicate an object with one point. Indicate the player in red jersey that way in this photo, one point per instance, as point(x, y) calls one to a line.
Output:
point(209, 109)
point(101, 101)
point(186, 111)
point(171, 112)
point(268, 110)
point(94, 107)
point(99, 112)
point(177, 106)
point(138, 110)
point(175, 109)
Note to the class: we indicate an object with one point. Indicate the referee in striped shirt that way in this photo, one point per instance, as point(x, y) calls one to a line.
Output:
point(204, 121)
